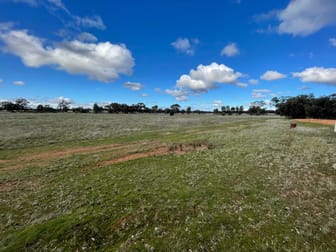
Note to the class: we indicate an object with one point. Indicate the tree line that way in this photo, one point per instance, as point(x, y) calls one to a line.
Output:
point(301, 106)
point(22, 105)
point(306, 106)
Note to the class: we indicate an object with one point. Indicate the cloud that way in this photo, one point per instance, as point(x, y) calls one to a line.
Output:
point(90, 22)
point(134, 86)
point(260, 93)
point(179, 94)
point(29, 2)
point(230, 50)
point(55, 101)
point(102, 61)
point(241, 84)
point(204, 78)
point(18, 83)
point(253, 81)
point(304, 88)
point(88, 37)
point(186, 46)
point(64, 99)
point(332, 41)
point(144, 95)
point(304, 17)
point(58, 4)
point(5, 26)
point(272, 75)
point(317, 75)
point(265, 16)
point(1, 80)
point(217, 103)
point(53, 6)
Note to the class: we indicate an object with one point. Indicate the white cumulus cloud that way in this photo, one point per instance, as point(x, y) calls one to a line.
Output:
point(18, 83)
point(102, 61)
point(230, 50)
point(304, 17)
point(185, 45)
point(318, 75)
point(272, 75)
point(204, 78)
point(134, 86)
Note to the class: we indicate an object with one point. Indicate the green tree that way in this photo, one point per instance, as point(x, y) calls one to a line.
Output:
point(63, 104)
point(188, 110)
point(96, 108)
point(21, 104)
point(241, 110)
point(175, 108)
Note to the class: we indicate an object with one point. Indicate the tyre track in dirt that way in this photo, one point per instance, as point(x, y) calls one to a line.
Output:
point(46, 157)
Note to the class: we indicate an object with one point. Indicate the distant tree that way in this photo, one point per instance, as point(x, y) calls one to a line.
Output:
point(81, 110)
point(21, 104)
point(63, 104)
point(241, 110)
point(223, 110)
point(40, 108)
point(188, 110)
point(96, 108)
point(228, 108)
point(141, 107)
point(303, 106)
point(216, 111)
point(155, 109)
point(9, 106)
point(256, 110)
point(175, 108)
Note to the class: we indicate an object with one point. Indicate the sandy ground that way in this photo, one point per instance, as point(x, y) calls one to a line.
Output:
point(319, 121)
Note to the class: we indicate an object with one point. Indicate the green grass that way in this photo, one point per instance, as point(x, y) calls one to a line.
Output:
point(260, 187)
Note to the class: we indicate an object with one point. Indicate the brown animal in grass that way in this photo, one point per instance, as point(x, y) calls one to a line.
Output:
point(292, 125)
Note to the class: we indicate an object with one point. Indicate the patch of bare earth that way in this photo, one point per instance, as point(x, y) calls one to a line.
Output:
point(319, 121)
point(6, 185)
point(123, 152)
point(42, 159)
point(177, 149)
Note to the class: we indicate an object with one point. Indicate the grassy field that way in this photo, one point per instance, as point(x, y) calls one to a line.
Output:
point(87, 182)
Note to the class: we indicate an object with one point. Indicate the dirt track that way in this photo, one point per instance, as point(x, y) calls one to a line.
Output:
point(319, 121)
point(120, 153)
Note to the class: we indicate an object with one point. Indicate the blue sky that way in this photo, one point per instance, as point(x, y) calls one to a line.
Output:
point(203, 54)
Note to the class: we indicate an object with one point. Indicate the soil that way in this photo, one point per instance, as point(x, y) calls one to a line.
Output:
point(160, 151)
point(319, 121)
point(130, 151)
